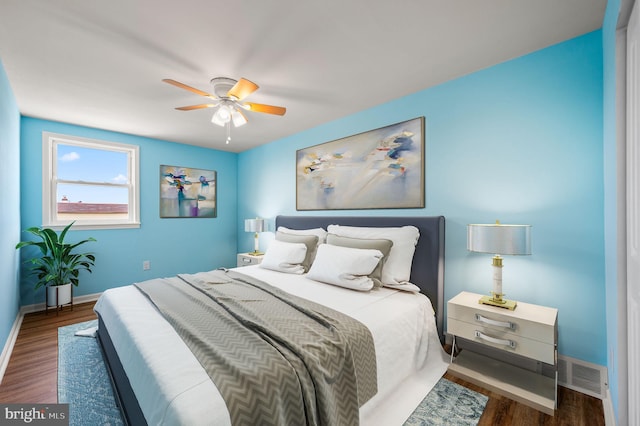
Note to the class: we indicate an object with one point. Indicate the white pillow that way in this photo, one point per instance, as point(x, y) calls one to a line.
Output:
point(378, 244)
point(311, 241)
point(285, 257)
point(319, 232)
point(345, 266)
point(396, 272)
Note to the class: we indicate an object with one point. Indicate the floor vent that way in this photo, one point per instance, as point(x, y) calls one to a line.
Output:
point(581, 376)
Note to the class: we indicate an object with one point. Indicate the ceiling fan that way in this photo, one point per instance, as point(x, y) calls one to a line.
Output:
point(227, 96)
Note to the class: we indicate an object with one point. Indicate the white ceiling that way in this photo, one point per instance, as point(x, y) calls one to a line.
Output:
point(99, 63)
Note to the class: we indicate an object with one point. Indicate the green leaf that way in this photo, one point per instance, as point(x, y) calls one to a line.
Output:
point(59, 264)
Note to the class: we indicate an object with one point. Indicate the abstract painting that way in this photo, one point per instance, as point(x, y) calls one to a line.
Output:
point(187, 192)
point(378, 169)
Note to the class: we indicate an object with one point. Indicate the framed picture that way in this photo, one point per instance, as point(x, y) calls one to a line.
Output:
point(187, 192)
point(378, 169)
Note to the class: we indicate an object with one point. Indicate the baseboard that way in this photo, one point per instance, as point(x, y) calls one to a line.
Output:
point(15, 329)
point(38, 307)
point(609, 412)
point(8, 347)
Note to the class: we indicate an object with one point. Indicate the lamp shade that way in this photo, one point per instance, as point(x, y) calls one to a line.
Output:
point(254, 225)
point(499, 239)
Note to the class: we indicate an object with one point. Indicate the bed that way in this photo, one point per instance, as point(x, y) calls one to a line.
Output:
point(158, 381)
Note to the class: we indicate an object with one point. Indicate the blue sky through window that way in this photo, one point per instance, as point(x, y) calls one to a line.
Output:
point(91, 165)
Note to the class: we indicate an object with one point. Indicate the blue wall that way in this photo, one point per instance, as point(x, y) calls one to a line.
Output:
point(172, 245)
point(10, 211)
point(520, 142)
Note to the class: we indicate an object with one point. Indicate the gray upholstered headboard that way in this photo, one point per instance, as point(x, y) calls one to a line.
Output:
point(427, 271)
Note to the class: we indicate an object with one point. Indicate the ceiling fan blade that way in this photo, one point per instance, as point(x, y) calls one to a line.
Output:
point(269, 109)
point(189, 88)
point(242, 89)
point(192, 107)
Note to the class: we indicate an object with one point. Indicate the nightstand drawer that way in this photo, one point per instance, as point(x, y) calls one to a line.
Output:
point(503, 338)
point(497, 320)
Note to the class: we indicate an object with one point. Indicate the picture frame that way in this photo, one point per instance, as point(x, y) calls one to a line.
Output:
point(187, 192)
point(378, 169)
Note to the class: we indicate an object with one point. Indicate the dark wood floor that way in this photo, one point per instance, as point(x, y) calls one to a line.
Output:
point(574, 409)
point(32, 373)
point(31, 377)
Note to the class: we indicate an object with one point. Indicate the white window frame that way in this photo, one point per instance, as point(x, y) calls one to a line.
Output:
point(50, 142)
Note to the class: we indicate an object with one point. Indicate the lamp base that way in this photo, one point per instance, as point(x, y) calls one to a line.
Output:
point(255, 253)
point(499, 302)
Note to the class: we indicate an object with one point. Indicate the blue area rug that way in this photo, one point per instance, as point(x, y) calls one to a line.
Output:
point(449, 403)
point(83, 383)
point(83, 380)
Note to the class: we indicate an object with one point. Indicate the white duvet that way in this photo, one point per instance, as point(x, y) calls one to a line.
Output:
point(173, 389)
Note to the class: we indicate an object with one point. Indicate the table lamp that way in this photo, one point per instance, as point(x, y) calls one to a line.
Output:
point(499, 239)
point(254, 225)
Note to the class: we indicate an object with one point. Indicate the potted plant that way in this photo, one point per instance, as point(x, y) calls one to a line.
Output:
point(59, 265)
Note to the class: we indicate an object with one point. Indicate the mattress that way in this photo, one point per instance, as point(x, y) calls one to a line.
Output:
point(172, 388)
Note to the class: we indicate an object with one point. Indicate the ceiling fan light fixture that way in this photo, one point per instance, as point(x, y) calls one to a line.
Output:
point(238, 118)
point(222, 116)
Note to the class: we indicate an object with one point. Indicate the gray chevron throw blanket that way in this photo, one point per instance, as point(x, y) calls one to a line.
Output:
point(277, 359)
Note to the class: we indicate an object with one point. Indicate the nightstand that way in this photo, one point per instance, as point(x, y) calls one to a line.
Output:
point(513, 353)
point(245, 259)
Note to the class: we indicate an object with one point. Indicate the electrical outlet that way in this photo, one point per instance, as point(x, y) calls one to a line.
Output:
point(146, 265)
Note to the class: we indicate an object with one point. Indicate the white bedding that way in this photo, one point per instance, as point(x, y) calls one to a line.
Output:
point(173, 389)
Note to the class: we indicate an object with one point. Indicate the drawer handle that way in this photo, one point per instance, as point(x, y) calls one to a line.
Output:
point(503, 342)
point(505, 324)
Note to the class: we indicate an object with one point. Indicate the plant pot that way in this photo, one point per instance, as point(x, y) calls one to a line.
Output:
point(63, 295)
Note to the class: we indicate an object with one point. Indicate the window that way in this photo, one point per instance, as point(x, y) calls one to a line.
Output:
point(92, 182)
